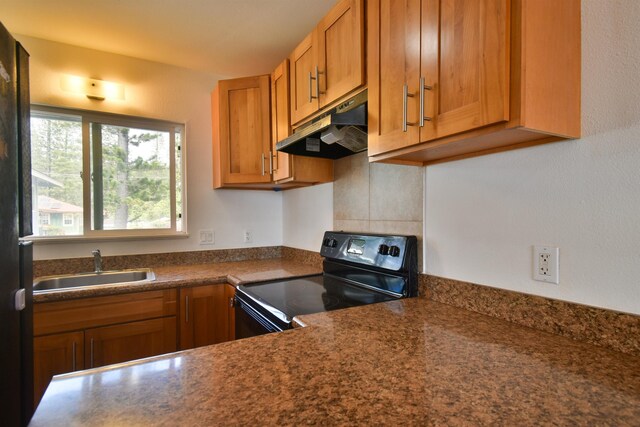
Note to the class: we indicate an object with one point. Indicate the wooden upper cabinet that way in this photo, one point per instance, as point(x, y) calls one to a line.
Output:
point(290, 169)
point(340, 39)
point(329, 62)
point(450, 79)
point(304, 89)
point(280, 114)
point(464, 64)
point(241, 131)
point(204, 315)
point(394, 64)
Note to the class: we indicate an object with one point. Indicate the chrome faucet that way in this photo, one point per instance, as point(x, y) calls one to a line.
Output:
point(97, 260)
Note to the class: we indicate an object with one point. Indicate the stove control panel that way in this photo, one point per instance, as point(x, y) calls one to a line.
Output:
point(383, 251)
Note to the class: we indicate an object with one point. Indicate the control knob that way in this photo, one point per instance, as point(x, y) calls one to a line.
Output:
point(383, 249)
point(332, 243)
point(394, 251)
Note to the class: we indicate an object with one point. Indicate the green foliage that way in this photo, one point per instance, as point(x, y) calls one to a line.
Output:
point(135, 180)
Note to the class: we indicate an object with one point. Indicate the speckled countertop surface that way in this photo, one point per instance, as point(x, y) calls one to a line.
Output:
point(407, 362)
point(192, 275)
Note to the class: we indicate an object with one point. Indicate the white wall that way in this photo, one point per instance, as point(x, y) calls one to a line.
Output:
point(307, 214)
point(484, 214)
point(164, 92)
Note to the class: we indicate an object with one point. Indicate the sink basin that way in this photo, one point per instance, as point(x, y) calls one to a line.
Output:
point(53, 283)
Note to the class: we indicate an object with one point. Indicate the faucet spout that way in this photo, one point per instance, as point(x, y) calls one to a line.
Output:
point(97, 260)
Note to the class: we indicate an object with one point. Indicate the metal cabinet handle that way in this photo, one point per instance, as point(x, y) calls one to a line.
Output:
point(232, 302)
point(423, 87)
point(262, 160)
point(405, 96)
point(317, 79)
point(91, 358)
point(186, 310)
point(271, 162)
point(318, 82)
point(73, 356)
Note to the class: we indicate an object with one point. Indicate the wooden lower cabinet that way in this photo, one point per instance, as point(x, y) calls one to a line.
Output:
point(205, 315)
point(53, 355)
point(91, 332)
point(129, 341)
point(231, 295)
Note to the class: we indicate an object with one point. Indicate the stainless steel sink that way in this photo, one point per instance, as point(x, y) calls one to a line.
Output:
point(54, 283)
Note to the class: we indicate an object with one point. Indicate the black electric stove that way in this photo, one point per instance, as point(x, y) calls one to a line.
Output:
point(358, 269)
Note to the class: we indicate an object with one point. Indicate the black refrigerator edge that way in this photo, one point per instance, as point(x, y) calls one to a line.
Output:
point(16, 275)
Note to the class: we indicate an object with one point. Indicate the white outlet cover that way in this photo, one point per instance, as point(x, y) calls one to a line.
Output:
point(546, 264)
point(247, 236)
point(207, 237)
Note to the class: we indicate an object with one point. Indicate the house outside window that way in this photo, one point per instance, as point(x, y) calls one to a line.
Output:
point(44, 218)
point(67, 219)
point(103, 175)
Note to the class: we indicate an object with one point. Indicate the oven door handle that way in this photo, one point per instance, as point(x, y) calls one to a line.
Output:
point(257, 316)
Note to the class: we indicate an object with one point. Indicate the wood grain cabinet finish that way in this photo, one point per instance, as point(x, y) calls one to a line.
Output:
point(204, 316)
point(241, 132)
point(53, 355)
point(450, 79)
point(329, 63)
point(91, 332)
point(288, 168)
point(129, 341)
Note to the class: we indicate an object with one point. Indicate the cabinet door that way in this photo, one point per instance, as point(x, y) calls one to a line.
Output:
point(393, 62)
point(340, 37)
point(204, 316)
point(280, 119)
point(129, 341)
point(465, 59)
point(304, 84)
point(241, 131)
point(230, 296)
point(53, 355)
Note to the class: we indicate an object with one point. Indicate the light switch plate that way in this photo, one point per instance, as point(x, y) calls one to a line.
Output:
point(207, 237)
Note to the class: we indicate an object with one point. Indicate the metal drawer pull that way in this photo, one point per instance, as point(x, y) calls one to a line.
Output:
point(262, 157)
point(405, 97)
point(73, 356)
point(186, 310)
point(423, 87)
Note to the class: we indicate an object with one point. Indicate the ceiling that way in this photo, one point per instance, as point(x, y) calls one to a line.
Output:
point(229, 38)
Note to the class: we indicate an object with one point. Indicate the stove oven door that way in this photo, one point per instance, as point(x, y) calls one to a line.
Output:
point(250, 323)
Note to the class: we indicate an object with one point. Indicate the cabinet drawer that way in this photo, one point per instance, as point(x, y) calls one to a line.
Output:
point(62, 316)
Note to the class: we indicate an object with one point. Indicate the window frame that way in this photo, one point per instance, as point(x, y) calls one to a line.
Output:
point(173, 128)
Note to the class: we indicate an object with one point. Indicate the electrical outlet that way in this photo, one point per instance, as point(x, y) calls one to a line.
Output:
point(207, 237)
point(546, 264)
point(247, 237)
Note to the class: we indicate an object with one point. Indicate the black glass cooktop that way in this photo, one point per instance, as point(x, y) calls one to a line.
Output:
point(313, 294)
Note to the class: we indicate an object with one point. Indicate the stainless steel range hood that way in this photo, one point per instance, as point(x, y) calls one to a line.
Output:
point(340, 132)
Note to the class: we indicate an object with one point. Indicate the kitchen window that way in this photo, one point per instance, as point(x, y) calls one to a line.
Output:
point(99, 175)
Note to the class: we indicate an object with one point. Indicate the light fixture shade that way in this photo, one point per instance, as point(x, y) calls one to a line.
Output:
point(92, 88)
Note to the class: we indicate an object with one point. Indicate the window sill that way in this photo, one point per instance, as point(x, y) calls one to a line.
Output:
point(42, 240)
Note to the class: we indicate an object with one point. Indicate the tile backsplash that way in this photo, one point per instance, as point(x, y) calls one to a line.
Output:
point(378, 198)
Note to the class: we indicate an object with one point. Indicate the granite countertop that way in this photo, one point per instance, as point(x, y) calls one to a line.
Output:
point(410, 361)
point(192, 275)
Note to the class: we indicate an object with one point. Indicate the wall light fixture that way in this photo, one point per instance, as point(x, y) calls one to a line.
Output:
point(92, 88)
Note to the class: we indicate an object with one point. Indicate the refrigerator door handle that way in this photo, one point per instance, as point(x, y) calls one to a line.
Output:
point(20, 299)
